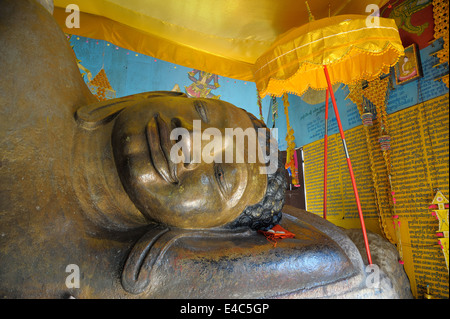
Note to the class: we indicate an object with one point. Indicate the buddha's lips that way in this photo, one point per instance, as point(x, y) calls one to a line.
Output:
point(158, 138)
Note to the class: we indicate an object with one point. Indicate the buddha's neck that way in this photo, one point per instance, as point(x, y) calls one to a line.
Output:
point(97, 184)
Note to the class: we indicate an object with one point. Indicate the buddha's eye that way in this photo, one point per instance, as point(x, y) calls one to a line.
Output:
point(220, 178)
point(201, 109)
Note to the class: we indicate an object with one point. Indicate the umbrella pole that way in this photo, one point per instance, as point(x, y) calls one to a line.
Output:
point(355, 190)
point(325, 159)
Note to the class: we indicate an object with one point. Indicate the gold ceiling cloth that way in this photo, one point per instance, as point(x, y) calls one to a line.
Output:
point(351, 50)
point(223, 37)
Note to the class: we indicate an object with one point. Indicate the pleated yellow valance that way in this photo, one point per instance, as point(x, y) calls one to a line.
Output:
point(350, 49)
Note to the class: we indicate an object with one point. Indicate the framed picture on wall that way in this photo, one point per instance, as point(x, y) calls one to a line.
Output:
point(408, 66)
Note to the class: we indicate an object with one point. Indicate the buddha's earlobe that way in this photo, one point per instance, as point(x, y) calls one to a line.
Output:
point(94, 115)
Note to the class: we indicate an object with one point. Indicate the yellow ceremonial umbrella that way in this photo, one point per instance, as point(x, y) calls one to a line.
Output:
point(341, 49)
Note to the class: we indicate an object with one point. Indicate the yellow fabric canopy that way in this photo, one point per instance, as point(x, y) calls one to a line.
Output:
point(350, 49)
point(223, 37)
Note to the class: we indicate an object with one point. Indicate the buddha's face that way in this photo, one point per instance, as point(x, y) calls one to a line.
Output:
point(185, 194)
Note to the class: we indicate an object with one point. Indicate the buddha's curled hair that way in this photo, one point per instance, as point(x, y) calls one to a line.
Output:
point(267, 213)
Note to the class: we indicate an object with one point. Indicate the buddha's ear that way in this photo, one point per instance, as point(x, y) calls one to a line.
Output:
point(94, 115)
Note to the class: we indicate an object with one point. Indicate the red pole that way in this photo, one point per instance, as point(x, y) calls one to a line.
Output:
point(341, 131)
point(325, 159)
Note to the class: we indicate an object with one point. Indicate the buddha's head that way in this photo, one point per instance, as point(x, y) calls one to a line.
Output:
point(180, 165)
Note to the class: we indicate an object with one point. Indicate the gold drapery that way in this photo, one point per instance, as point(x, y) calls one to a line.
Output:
point(223, 37)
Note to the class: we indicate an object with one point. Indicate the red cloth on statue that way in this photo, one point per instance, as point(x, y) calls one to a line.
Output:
point(276, 233)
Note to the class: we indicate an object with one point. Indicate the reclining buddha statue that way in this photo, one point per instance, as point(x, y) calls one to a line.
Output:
point(91, 186)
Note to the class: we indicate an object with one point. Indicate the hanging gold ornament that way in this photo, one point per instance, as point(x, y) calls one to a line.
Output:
point(290, 139)
point(440, 15)
point(356, 96)
point(258, 99)
point(376, 93)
